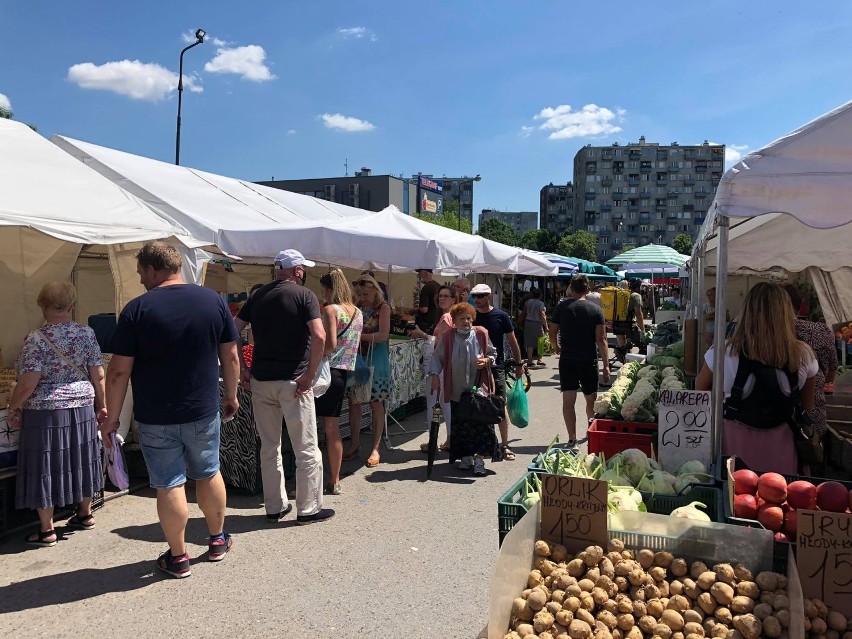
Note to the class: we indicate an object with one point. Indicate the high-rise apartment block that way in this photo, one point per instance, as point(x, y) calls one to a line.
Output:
point(521, 221)
point(556, 207)
point(643, 193)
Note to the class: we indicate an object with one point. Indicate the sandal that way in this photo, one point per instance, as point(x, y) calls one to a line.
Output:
point(445, 447)
point(508, 455)
point(373, 461)
point(41, 538)
point(351, 454)
point(82, 522)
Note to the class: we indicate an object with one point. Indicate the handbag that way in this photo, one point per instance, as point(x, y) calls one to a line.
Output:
point(481, 406)
point(363, 389)
point(808, 443)
point(322, 379)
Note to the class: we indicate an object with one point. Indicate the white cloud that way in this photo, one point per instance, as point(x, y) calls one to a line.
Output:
point(589, 121)
point(342, 122)
point(5, 103)
point(734, 153)
point(248, 62)
point(291, 132)
point(135, 79)
point(189, 37)
point(356, 33)
point(526, 131)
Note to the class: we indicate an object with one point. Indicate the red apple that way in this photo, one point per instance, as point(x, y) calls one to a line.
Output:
point(745, 482)
point(802, 494)
point(771, 517)
point(772, 487)
point(832, 496)
point(745, 506)
point(791, 523)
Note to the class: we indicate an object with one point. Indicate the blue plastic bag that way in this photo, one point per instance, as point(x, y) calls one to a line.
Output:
point(516, 404)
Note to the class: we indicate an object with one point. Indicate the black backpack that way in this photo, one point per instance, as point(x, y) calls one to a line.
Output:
point(767, 406)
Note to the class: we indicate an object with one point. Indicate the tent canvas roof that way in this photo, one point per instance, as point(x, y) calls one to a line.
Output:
point(47, 190)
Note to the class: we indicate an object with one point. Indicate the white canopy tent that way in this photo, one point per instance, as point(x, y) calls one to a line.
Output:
point(255, 222)
point(785, 205)
point(52, 208)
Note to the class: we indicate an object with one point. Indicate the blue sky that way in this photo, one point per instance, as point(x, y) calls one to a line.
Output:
point(505, 89)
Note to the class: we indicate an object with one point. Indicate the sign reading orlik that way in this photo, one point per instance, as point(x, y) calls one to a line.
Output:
point(574, 511)
point(684, 428)
point(824, 557)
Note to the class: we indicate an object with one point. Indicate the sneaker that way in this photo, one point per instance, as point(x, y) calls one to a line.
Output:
point(466, 463)
point(479, 467)
point(274, 518)
point(177, 567)
point(219, 546)
point(322, 515)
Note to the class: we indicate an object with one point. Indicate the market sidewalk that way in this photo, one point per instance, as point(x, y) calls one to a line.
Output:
point(403, 556)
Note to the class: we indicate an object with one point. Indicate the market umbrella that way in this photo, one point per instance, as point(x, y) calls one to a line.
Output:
point(437, 417)
point(658, 255)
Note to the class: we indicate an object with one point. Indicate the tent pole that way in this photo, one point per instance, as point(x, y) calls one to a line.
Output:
point(719, 342)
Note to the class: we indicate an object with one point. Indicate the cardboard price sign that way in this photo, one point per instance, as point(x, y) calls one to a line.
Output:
point(684, 428)
point(573, 511)
point(824, 557)
point(215, 277)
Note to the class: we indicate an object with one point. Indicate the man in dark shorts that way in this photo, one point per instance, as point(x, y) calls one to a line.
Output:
point(170, 343)
point(428, 311)
point(635, 324)
point(580, 325)
point(498, 324)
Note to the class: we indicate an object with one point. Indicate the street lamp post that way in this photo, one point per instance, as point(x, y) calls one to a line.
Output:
point(462, 182)
point(199, 38)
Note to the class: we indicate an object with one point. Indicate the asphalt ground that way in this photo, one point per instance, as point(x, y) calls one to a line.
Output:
point(403, 557)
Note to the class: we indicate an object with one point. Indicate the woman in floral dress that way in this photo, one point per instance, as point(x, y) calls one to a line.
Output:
point(58, 403)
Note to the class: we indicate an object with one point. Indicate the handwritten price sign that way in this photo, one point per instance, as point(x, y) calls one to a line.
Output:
point(573, 511)
point(824, 557)
point(684, 428)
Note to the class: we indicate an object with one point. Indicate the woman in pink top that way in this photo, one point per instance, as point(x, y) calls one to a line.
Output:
point(446, 299)
point(343, 323)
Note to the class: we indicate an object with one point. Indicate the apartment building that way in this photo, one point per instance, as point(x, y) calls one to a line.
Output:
point(556, 207)
point(521, 221)
point(644, 192)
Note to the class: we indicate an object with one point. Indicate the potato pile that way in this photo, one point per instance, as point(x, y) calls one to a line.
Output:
point(621, 594)
point(823, 623)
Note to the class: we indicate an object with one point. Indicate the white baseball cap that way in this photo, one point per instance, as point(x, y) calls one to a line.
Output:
point(480, 289)
point(291, 258)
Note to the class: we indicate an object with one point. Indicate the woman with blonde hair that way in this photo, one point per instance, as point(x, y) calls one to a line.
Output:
point(767, 372)
point(58, 403)
point(343, 323)
point(374, 349)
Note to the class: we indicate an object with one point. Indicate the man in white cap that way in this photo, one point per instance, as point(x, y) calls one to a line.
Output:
point(289, 340)
point(498, 324)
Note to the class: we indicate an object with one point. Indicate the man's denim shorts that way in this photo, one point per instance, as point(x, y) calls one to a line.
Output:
point(175, 452)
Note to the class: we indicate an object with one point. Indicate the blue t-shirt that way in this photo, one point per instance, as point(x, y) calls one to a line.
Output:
point(173, 333)
point(498, 324)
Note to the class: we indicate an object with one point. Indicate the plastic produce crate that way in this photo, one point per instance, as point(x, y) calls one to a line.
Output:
point(707, 495)
point(509, 506)
point(609, 436)
point(779, 558)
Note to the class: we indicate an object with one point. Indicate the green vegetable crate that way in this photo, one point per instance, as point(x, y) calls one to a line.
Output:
point(510, 509)
point(509, 506)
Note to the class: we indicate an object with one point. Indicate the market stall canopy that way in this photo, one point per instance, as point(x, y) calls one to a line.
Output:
point(788, 205)
point(658, 255)
point(570, 265)
point(204, 202)
point(805, 177)
point(44, 189)
point(388, 239)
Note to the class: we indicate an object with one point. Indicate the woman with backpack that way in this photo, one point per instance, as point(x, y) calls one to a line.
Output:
point(768, 375)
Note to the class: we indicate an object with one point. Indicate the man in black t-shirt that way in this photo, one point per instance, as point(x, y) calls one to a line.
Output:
point(289, 340)
point(582, 335)
point(428, 311)
point(498, 324)
point(169, 342)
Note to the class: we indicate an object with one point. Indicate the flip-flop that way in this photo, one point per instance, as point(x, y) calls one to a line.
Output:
point(373, 461)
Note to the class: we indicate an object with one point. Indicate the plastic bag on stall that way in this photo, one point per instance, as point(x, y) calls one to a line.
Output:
point(517, 405)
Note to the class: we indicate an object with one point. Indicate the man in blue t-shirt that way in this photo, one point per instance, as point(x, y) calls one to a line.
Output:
point(169, 342)
point(498, 324)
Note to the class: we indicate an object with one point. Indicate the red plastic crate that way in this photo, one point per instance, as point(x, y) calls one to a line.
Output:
point(609, 436)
